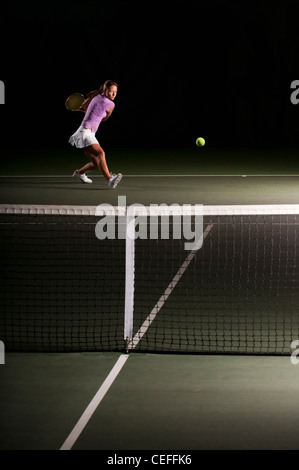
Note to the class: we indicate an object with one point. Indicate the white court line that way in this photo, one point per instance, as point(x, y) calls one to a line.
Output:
point(151, 317)
point(77, 430)
point(158, 176)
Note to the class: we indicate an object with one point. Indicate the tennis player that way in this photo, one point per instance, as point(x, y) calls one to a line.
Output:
point(98, 107)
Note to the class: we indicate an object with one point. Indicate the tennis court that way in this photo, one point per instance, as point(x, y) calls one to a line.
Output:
point(209, 367)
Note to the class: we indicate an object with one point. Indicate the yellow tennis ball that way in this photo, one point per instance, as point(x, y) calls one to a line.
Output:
point(200, 142)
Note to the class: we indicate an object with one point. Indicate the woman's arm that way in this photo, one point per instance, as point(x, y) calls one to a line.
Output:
point(108, 114)
point(85, 104)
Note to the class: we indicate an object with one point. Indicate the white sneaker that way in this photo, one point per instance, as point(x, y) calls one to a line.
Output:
point(114, 180)
point(83, 178)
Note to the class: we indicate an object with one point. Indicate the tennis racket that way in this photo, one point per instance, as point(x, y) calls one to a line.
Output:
point(74, 102)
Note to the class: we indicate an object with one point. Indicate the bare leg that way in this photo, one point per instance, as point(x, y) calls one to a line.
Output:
point(88, 167)
point(98, 161)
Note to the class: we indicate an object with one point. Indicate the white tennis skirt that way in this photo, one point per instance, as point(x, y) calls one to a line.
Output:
point(83, 138)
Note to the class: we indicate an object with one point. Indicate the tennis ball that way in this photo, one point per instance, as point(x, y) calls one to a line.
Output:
point(200, 142)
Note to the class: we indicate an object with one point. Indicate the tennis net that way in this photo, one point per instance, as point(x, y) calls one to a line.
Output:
point(64, 289)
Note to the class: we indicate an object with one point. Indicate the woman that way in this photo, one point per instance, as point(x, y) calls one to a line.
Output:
point(98, 107)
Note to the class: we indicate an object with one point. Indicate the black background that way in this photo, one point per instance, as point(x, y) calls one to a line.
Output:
point(217, 69)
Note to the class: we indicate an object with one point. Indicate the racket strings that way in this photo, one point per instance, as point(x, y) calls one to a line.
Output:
point(74, 102)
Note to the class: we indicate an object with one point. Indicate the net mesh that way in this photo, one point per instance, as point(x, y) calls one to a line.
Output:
point(239, 294)
point(63, 289)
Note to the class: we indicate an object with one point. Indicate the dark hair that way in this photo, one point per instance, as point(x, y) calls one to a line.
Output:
point(102, 89)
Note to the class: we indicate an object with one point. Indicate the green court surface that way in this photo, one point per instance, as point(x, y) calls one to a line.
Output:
point(155, 401)
point(215, 190)
point(153, 176)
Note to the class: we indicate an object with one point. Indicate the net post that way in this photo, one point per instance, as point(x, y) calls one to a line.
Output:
point(129, 276)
